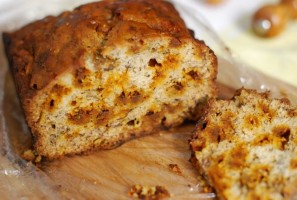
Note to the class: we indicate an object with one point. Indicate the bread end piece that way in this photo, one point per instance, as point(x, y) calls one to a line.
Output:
point(246, 147)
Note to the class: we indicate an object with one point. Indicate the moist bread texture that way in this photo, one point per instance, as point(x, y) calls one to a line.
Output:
point(246, 147)
point(107, 72)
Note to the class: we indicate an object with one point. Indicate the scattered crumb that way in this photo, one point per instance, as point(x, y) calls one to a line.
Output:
point(175, 168)
point(204, 186)
point(30, 156)
point(207, 189)
point(149, 192)
point(38, 159)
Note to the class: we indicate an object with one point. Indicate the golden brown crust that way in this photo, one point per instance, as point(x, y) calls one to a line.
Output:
point(85, 76)
point(42, 50)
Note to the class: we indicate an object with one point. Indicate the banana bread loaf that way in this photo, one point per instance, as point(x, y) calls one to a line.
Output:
point(247, 147)
point(107, 72)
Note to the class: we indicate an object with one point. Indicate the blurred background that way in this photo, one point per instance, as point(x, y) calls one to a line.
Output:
point(232, 20)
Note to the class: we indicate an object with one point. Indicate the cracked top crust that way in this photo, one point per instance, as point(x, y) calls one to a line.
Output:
point(46, 48)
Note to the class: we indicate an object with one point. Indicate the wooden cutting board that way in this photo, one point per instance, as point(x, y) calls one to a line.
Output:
point(110, 174)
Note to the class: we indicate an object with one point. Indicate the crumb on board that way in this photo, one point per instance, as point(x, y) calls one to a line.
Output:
point(204, 186)
point(175, 168)
point(200, 188)
point(148, 192)
point(207, 189)
point(30, 156)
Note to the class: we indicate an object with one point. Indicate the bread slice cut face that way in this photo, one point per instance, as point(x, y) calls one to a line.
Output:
point(246, 147)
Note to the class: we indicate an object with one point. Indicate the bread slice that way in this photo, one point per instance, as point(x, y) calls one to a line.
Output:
point(108, 72)
point(246, 147)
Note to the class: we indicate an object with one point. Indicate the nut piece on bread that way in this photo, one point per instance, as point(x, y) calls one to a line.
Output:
point(246, 147)
point(107, 72)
